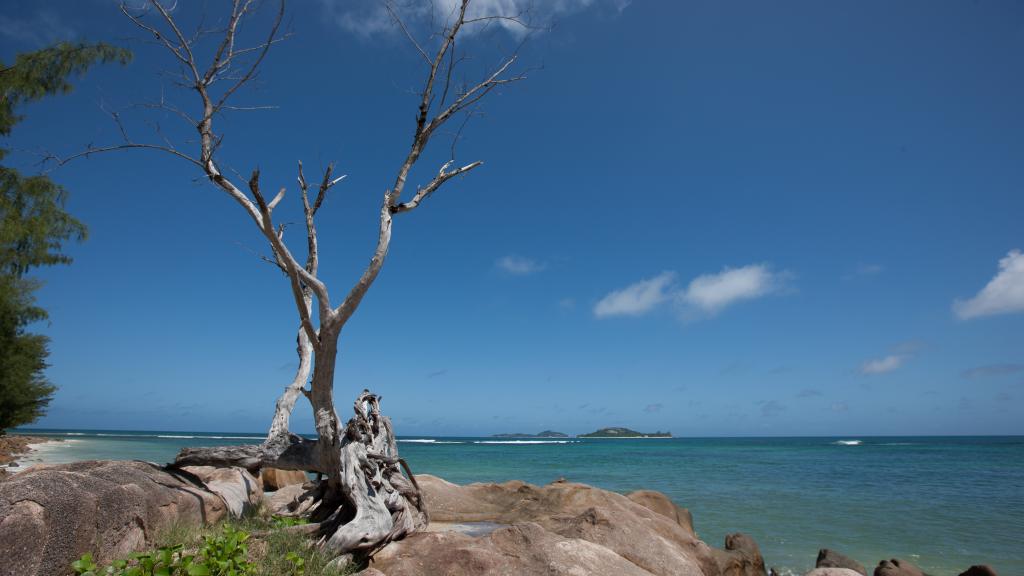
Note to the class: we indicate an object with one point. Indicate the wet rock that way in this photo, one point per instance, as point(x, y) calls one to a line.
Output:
point(832, 559)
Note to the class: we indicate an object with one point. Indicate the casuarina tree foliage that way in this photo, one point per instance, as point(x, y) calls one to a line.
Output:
point(33, 226)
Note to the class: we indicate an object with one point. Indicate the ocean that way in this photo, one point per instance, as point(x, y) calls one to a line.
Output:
point(943, 503)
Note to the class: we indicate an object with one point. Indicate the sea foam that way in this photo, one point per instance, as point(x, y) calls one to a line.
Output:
point(525, 441)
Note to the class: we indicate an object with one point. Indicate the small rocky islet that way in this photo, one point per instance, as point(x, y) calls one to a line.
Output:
point(48, 519)
point(619, 432)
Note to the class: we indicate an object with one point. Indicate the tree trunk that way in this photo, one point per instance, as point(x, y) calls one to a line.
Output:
point(365, 501)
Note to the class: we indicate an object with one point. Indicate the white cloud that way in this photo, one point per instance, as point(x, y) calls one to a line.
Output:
point(707, 294)
point(1004, 294)
point(636, 299)
point(882, 365)
point(711, 293)
point(369, 18)
point(518, 265)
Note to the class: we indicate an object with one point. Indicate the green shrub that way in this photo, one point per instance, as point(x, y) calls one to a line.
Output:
point(225, 554)
point(286, 521)
point(225, 551)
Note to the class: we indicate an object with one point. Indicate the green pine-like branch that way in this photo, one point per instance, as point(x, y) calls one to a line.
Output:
point(34, 226)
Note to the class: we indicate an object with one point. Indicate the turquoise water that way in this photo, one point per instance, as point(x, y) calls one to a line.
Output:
point(942, 503)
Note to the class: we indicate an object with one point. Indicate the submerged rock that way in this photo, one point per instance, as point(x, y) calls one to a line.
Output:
point(50, 516)
point(832, 571)
point(832, 559)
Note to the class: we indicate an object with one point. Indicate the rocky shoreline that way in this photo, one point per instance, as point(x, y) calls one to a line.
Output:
point(48, 518)
point(13, 446)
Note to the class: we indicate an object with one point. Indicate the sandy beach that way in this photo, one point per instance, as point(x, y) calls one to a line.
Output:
point(18, 452)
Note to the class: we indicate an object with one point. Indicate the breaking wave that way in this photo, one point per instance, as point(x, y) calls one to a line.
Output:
point(430, 441)
point(525, 441)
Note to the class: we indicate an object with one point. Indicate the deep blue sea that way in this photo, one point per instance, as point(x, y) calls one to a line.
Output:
point(944, 503)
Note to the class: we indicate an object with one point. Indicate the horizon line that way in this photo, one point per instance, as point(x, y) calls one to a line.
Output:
point(257, 435)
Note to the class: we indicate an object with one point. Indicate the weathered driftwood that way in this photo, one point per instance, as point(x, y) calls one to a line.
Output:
point(377, 503)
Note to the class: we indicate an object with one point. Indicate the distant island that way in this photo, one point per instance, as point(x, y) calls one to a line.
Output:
point(544, 434)
point(624, 433)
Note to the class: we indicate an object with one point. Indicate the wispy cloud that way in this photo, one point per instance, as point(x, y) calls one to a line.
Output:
point(808, 393)
point(993, 370)
point(368, 18)
point(1004, 294)
point(896, 358)
point(636, 299)
point(840, 407)
point(437, 373)
point(519, 265)
point(882, 365)
point(712, 293)
point(652, 408)
point(707, 294)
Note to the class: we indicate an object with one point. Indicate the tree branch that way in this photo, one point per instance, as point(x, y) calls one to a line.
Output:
point(426, 191)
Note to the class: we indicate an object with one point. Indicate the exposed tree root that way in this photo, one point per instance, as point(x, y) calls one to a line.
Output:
point(360, 506)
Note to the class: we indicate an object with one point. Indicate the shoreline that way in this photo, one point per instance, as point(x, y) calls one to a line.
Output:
point(695, 474)
point(14, 448)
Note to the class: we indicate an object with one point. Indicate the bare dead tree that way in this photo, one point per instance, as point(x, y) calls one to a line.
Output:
point(364, 500)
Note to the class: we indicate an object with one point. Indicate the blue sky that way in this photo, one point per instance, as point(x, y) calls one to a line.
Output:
point(718, 218)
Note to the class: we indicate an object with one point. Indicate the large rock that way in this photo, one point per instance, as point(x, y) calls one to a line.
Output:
point(661, 504)
point(832, 571)
point(832, 559)
point(741, 557)
point(50, 516)
point(275, 478)
point(654, 536)
point(292, 500)
point(897, 567)
point(236, 486)
point(523, 550)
